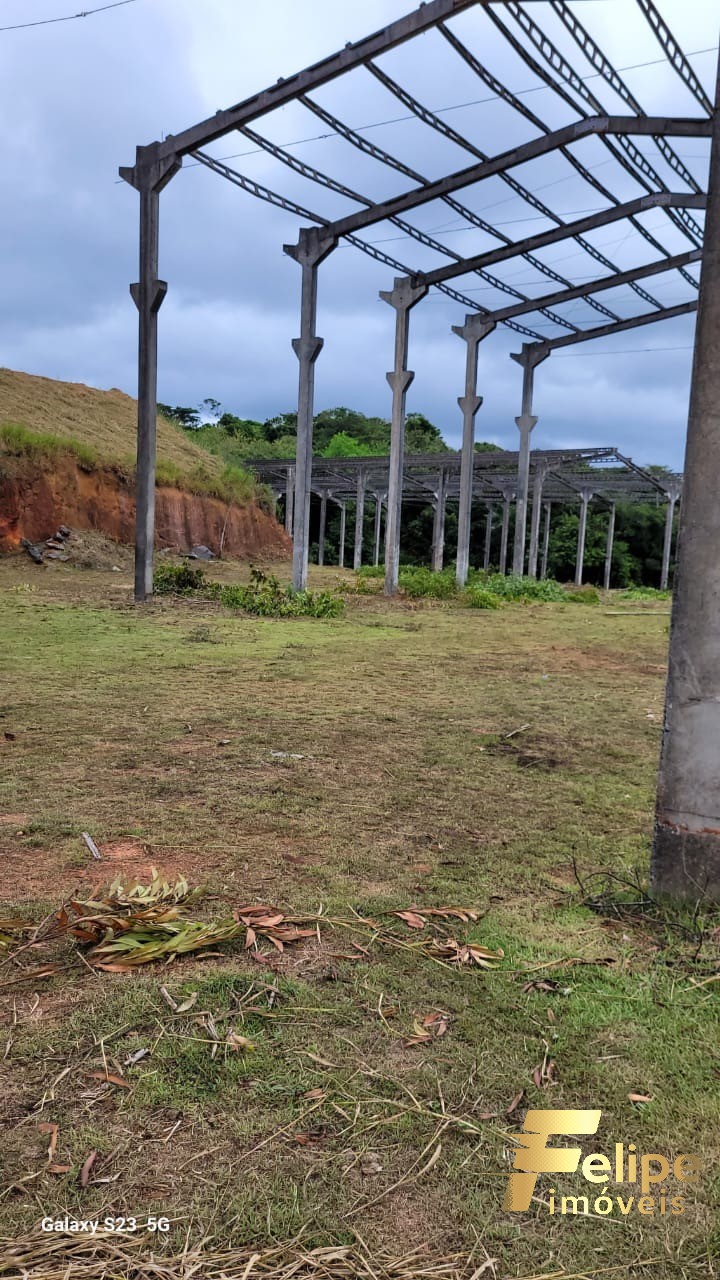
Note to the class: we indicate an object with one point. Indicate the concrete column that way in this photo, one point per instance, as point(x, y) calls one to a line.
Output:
point(541, 471)
point(472, 332)
point(148, 295)
point(585, 496)
point(686, 849)
point(312, 249)
point(321, 532)
point(546, 541)
point(359, 518)
point(289, 500)
point(379, 499)
point(488, 537)
point(508, 496)
point(341, 552)
point(673, 493)
point(403, 297)
point(438, 544)
point(530, 357)
point(609, 547)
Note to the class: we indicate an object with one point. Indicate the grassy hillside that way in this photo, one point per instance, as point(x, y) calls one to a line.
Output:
point(104, 420)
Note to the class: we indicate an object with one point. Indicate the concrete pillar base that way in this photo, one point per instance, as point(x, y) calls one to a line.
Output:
point(685, 864)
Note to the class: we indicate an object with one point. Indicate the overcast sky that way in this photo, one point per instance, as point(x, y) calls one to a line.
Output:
point(80, 95)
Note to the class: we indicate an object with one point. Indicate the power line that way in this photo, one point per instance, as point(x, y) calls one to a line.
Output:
point(627, 351)
point(69, 17)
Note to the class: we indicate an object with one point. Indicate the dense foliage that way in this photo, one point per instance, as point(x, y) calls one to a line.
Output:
point(343, 432)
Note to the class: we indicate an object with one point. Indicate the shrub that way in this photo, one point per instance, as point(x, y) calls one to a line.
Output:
point(263, 595)
point(179, 580)
point(583, 595)
point(512, 587)
point(645, 593)
point(480, 597)
point(421, 582)
point(371, 571)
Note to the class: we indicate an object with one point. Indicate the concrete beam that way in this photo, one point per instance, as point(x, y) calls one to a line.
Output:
point(647, 126)
point(321, 531)
point(508, 496)
point(541, 471)
point(289, 500)
point(488, 537)
point(379, 499)
point(341, 549)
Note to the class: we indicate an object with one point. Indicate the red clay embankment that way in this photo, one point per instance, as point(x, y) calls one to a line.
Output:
point(35, 499)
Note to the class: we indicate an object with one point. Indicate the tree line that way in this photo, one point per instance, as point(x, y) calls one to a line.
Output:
point(343, 432)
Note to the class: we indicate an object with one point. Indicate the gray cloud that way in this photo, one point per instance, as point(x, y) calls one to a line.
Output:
point(79, 96)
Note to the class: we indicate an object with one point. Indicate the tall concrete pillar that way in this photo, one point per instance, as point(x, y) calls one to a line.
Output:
point(359, 518)
point(148, 178)
point(472, 332)
point(686, 849)
point(508, 496)
point(438, 543)
point(541, 470)
point(609, 547)
point(341, 552)
point(546, 541)
point(289, 500)
point(673, 493)
point(323, 524)
point(530, 357)
point(585, 496)
point(379, 499)
point(312, 249)
point(403, 297)
point(488, 536)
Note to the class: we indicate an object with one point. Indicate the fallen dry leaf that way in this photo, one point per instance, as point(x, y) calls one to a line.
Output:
point(515, 1103)
point(640, 1097)
point(108, 1077)
point(52, 1129)
point(87, 1166)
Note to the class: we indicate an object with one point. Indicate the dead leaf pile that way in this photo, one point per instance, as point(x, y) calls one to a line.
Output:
point(417, 918)
point(261, 921)
point(461, 953)
point(431, 1027)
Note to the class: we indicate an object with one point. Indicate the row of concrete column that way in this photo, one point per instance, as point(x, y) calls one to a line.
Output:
point(313, 247)
point(540, 521)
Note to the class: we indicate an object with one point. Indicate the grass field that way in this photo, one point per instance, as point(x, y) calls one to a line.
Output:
point(105, 421)
point(405, 755)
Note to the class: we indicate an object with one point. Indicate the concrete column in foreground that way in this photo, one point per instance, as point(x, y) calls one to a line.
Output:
point(379, 499)
point(438, 543)
point(585, 496)
point(403, 297)
point(312, 249)
point(321, 531)
point(529, 358)
point(686, 849)
point(508, 495)
point(148, 178)
point(488, 537)
point(472, 332)
point(541, 471)
point(359, 518)
point(546, 541)
point(341, 551)
point(289, 500)
point(672, 493)
point(609, 547)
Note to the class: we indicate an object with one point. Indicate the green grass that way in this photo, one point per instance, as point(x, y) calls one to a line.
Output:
point(361, 762)
point(229, 484)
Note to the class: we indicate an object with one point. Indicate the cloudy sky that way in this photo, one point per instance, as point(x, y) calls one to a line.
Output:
point(79, 95)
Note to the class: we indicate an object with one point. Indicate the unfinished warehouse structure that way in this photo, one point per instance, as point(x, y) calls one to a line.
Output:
point(558, 477)
point(575, 115)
